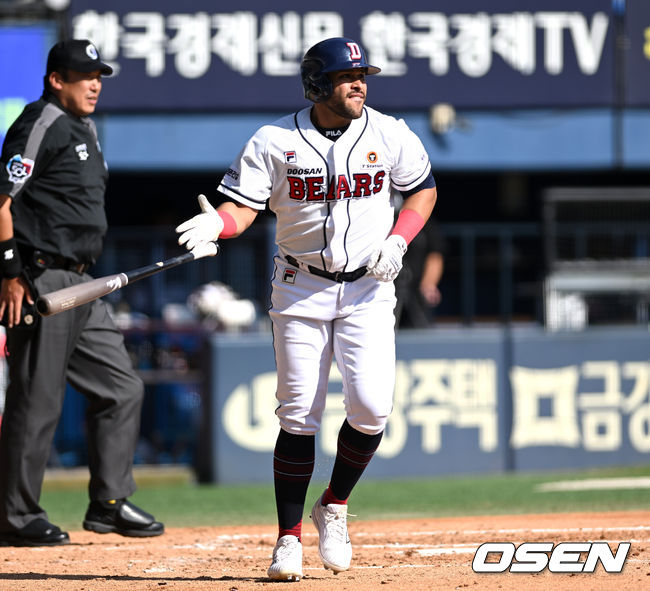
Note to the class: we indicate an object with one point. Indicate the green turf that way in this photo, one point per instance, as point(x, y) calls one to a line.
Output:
point(188, 504)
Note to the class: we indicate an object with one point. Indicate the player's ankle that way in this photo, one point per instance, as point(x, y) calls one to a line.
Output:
point(329, 498)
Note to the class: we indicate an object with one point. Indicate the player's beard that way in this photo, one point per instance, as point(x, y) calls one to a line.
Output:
point(345, 108)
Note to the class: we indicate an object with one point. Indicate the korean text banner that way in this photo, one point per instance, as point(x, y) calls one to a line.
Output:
point(214, 56)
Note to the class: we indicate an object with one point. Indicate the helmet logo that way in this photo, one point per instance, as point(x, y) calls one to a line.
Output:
point(355, 51)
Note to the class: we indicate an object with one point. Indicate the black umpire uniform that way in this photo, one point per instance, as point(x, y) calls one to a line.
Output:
point(411, 309)
point(53, 171)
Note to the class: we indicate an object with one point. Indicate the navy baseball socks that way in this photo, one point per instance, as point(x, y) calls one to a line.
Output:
point(293, 465)
point(329, 513)
point(354, 450)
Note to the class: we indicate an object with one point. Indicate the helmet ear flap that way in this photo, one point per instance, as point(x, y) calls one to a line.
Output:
point(321, 88)
point(317, 84)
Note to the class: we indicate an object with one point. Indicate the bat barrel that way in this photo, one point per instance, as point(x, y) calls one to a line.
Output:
point(44, 306)
point(81, 293)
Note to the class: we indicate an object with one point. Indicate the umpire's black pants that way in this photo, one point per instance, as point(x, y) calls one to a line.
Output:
point(82, 346)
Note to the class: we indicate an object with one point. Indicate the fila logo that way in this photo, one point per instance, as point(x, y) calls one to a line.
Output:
point(290, 157)
point(289, 276)
point(355, 51)
point(534, 557)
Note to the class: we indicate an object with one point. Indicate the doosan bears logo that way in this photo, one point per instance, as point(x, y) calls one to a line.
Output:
point(19, 168)
point(316, 188)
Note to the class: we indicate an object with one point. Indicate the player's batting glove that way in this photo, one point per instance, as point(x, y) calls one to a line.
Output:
point(386, 262)
point(204, 227)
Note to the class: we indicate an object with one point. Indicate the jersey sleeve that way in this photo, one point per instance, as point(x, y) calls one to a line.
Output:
point(412, 165)
point(249, 179)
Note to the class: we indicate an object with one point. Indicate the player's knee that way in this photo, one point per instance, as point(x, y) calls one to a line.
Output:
point(299, 425)
point(369, 424)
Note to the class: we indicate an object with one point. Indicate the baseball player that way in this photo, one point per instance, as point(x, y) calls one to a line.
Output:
point(327, 172)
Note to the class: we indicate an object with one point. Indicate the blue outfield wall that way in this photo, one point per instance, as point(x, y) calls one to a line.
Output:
point(480, 140)
point(466, 401)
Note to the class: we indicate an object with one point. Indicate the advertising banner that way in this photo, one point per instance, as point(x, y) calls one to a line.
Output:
point(466, 401)
point(207, 56)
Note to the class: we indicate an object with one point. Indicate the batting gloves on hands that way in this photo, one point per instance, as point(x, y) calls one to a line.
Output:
point(386, 262)
point(204, 227)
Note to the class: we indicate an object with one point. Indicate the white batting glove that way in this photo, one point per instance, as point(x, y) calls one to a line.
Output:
point(386, 261)
point(204, 227)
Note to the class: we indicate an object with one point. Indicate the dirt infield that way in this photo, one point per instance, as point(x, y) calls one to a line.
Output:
point(425, 554)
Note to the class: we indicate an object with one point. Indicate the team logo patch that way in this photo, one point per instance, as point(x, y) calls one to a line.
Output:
point(355, 51)
point(290, 157)
point(289, 276)
point(19, 169)
point(82, 152)
point(372, 157)
point(91, 52)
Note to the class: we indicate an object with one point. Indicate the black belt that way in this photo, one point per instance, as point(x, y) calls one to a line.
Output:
point(45, 260)
point(338, 276)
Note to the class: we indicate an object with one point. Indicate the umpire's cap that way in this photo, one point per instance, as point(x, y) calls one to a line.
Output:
point(79, 55)
point(330, 55)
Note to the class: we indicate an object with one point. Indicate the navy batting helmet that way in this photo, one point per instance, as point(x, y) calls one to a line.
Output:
point(331, 55)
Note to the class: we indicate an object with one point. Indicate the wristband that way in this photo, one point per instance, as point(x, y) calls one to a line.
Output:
point(229, 225)
point(12, 266)
point(408, 224)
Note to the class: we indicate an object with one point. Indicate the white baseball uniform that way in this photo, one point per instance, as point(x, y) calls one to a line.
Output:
point(333, 205)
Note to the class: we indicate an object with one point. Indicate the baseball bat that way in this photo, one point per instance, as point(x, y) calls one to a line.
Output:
point(77, 295)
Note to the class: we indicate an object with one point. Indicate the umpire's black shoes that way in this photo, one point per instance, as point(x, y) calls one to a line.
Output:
point(39, 532)
point(121, 517)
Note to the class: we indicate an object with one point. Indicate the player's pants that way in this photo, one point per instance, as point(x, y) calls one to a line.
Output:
point(316, 320)
point(83, 346)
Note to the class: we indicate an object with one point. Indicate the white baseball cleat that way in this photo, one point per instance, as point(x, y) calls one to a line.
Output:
point(334, 547)
point(287, 560)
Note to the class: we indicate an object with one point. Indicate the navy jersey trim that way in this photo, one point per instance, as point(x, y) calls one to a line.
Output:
point(327, 168)
point(225, 189)
point(425, 171)
point(347, 165)
point(428, 183)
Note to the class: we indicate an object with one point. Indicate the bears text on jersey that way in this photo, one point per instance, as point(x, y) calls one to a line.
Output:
point(314, 188)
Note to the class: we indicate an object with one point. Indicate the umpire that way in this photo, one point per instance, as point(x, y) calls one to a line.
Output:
point(52, 224)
